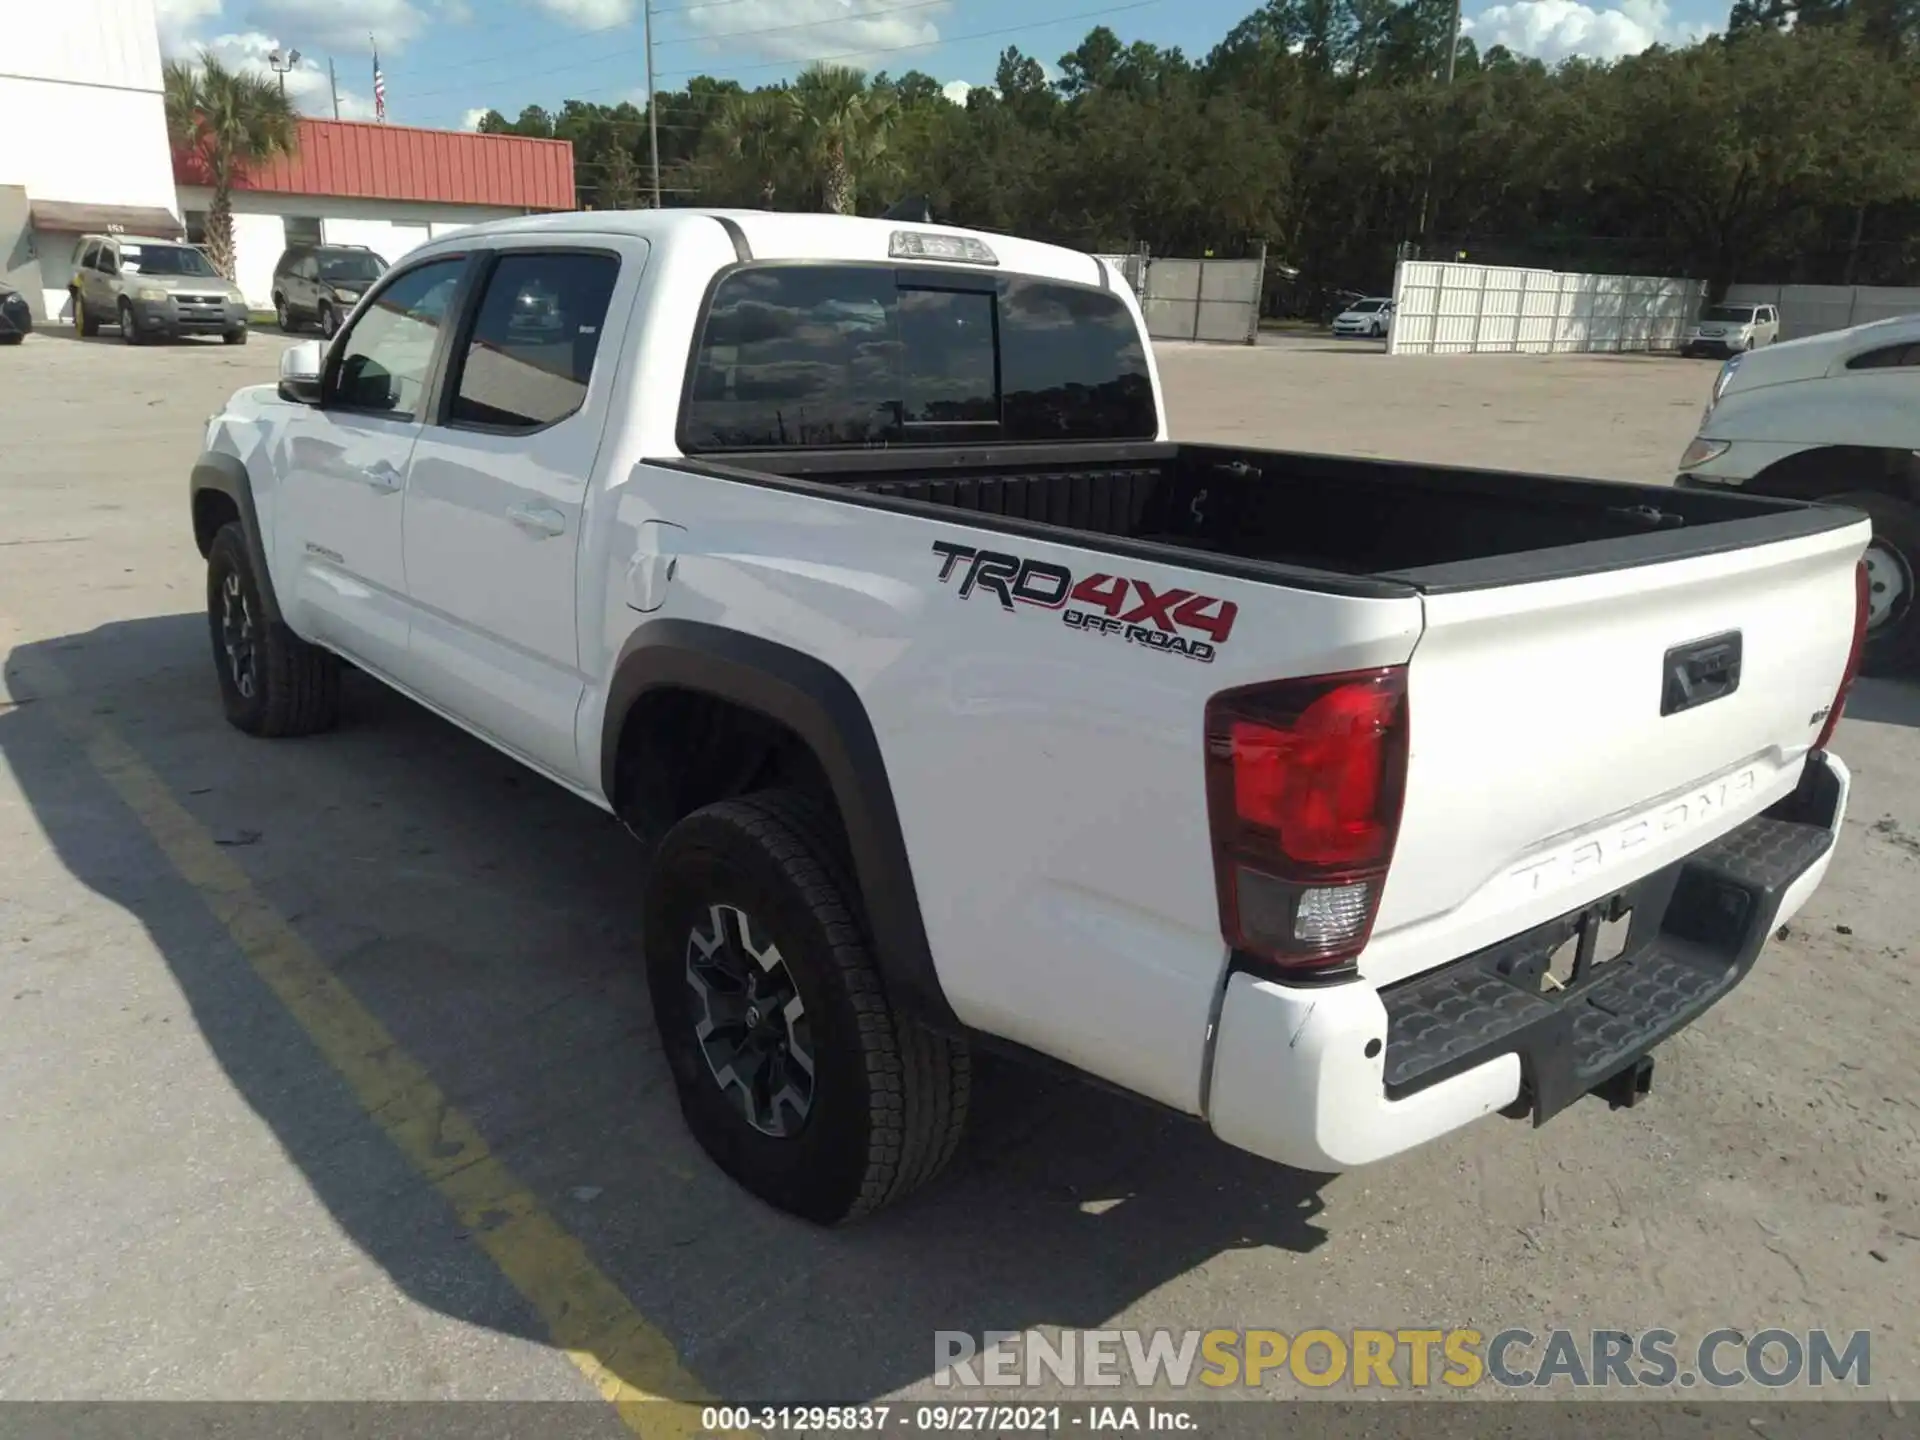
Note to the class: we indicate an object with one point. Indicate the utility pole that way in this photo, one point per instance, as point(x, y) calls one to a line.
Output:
point(653, 109)
point(1453, 52)
point(333, 84)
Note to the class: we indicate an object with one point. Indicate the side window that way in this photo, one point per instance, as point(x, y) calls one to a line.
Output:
point(1886, 358)
point(83, 257)
point(307, 268)
point(535, 335)
point(107, 261)
point(385, 357)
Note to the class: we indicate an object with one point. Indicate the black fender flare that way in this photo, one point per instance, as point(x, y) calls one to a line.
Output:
point(227, 475)
point(815, 701)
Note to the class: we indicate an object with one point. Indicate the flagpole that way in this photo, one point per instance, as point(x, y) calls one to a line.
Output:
point(653, 109)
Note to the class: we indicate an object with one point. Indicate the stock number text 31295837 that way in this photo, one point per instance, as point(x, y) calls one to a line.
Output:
point(905, 1419)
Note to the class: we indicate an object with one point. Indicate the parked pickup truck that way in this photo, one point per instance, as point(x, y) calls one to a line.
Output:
point(1335, 802)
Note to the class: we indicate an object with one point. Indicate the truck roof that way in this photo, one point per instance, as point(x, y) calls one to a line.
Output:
point(785, 235)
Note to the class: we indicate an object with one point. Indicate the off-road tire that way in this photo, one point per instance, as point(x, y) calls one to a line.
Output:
point(296, 686)
point(1895, 649)
point(889, 1100)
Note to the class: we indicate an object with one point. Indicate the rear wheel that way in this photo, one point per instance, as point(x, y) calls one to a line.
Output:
point(329, 321)
point(1893, 559)
point(792, 1069)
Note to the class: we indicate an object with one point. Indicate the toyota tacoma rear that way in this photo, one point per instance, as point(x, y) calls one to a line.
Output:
point(1334, 802)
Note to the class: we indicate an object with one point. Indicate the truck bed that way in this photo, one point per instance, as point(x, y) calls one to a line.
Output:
point(1430, 528)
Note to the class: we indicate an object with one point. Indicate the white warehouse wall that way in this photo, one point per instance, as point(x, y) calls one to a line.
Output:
point(82, 117)
point(390, 228)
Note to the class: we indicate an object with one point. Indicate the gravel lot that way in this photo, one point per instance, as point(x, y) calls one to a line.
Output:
point(195, 1203)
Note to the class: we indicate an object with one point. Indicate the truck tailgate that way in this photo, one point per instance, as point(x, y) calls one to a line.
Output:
point(1543, 774)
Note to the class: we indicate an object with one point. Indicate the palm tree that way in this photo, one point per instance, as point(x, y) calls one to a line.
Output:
point(756, 130)
point(843, 128)
point(227, 121)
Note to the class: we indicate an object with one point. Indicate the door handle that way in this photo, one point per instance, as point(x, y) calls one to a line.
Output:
point(381, 475)
point(538, 520)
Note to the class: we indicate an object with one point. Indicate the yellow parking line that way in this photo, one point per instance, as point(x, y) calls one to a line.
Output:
point(630, 1362)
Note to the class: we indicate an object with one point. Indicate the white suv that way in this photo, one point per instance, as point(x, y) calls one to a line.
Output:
point(1732, 330)
point(1832, 417)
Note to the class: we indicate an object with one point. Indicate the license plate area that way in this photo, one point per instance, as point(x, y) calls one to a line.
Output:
point(1595, 938)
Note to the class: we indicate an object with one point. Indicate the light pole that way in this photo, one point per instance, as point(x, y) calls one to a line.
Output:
point(282, 61)
point(653, 110)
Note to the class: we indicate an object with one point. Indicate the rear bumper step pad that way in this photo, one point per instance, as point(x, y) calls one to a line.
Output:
point(1696, 929)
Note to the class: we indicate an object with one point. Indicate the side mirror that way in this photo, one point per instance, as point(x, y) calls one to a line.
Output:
point(300, 372)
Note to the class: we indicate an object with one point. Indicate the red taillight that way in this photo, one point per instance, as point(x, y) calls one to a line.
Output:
point(1861, 594)
point(1304, 784)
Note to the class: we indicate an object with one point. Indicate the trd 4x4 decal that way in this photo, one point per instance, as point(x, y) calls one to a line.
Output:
point(1171, 620)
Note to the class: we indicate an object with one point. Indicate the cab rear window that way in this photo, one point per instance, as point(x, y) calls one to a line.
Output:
point(820, 356)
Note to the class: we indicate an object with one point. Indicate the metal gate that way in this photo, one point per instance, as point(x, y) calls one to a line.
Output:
point(1132, 268)
point(1217, 300)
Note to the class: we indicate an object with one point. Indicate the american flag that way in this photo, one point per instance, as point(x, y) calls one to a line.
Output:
point(379, 86)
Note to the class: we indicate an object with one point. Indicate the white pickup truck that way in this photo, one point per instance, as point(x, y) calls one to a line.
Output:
point(1335, 802)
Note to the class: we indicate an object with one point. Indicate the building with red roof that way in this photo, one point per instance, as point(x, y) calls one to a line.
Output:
point(387, 187)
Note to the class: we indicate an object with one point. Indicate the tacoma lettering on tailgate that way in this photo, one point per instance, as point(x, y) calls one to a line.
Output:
point(1171, 621)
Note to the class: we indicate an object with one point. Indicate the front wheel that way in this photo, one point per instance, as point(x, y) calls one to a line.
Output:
point(129, 332)
point(235, 337)
point(272, 683)
point(1893, 559)
point(793, 1070)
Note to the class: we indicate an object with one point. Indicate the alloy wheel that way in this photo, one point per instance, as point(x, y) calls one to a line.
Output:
point(237, 635)
point(750, 1022)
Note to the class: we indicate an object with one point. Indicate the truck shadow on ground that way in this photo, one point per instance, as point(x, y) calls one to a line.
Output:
point(487, 920)
point(1885, 702)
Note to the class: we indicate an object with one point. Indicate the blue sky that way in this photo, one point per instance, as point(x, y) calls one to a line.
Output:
point(447, 61)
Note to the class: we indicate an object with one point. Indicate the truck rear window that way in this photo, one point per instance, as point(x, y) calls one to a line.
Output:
point(819, 356)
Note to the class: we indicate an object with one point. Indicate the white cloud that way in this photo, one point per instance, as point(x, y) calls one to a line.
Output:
point(1556, 30)
point(307, 83)
point(178, 18)
point(958, 90)
point(589, 14)
point(801, 29)
point(340, 26)
point(471, 120)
